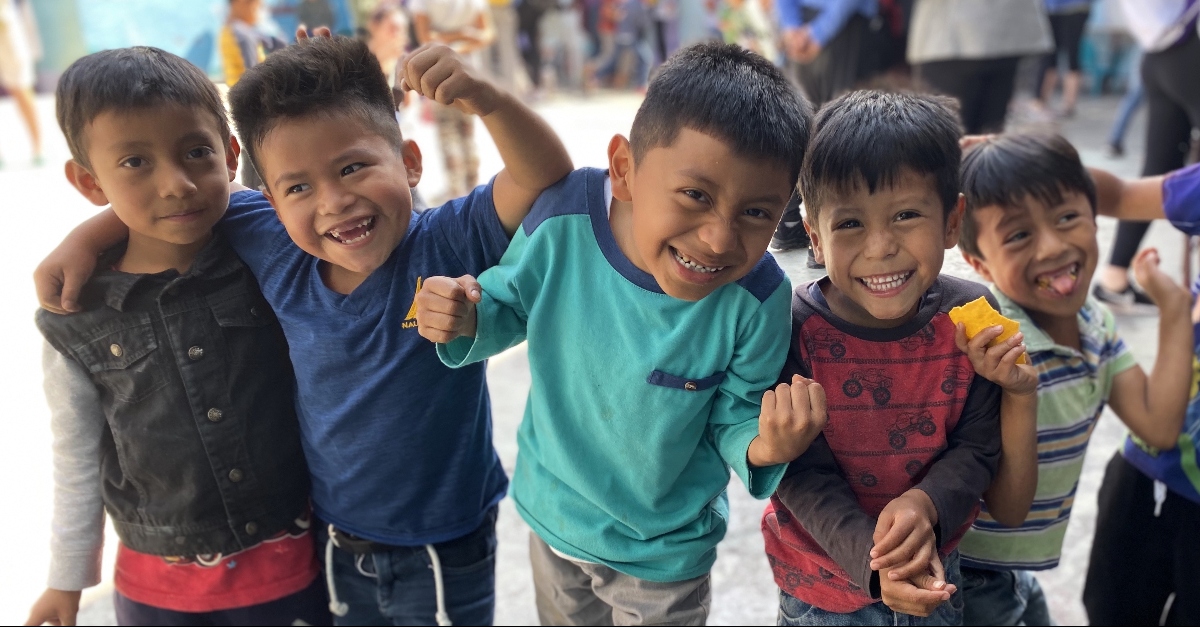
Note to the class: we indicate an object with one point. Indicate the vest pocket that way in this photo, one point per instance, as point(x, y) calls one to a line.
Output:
point(123, 362)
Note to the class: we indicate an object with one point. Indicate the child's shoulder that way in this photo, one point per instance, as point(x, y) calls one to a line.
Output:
point(764, 279)
point(955, 291)
point(579, 193)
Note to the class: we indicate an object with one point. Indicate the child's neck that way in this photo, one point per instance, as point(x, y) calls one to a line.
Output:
point(146, 255)
point(1064, 330)
point(339, 279)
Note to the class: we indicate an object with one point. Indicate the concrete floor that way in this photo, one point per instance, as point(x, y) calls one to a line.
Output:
point(40, 208)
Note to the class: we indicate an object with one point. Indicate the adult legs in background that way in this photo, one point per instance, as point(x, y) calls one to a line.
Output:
point(1068, 35)
point(1134, 95)
point(1173, 108)
point(529, 18)
point(505, 56)
point(456, 135)
point(982, 88)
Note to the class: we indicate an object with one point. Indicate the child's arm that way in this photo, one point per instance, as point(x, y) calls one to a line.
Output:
point(1012, 491)
point(534, 157)
point(1137, 199)
point(1153, 406)
point(61, 275)
point(77, 535)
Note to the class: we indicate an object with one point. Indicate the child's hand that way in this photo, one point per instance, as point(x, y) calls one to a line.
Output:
point(446, 308)
point(437, 72)
point(919, 595)
point(791, 417)
point(998, 364)
point(904, 535)
point(60, 278)
point(55, 607)
point(1157, 285)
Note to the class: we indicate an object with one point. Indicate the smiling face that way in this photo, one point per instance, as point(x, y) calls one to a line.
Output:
point(883, 251)
point(1041, 256)
point(341, 191)
point(699, 215)
point(164, 169)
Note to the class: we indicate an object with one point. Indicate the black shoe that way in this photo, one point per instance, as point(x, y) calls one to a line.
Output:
point(790, 234)
point(1129, 300)
point(1116, 151)
point(812, 260)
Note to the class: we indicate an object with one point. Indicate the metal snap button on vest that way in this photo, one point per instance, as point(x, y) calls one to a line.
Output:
point(116, 350)
point(690, 386)
point(235, 475)
point(251, 528)
point(215, 415)
point(195, 353)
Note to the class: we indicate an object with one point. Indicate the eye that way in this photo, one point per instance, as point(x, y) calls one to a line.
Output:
point(694, 194)
point(297, 188)
point(133, 162)
point(1068, 217)
point(1016, 237)
point(352, 168)
point(847, 224)
point(200, 152)
point(907, 215)
point(755, 212)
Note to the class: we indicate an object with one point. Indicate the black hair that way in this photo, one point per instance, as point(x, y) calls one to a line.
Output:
point(125, 79)
point(1008, 170)
point(730, 93)
point(871, 137)
point(319, 76)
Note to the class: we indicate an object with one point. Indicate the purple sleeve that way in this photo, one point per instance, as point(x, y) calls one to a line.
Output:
point(1181, 199)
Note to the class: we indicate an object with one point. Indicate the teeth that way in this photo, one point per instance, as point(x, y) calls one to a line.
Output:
point(885, 282)
point(338, 232)
point(359, 238)
point(1043, 280)
point(695, 267)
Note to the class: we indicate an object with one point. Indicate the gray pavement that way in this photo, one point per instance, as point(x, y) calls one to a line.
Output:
point(40, 208)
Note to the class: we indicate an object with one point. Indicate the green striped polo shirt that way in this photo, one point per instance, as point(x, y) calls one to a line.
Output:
point(1073, 387)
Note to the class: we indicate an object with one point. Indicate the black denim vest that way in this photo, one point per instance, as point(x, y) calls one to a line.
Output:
point(202, 453)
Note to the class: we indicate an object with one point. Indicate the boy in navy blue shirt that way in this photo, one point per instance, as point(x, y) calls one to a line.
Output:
point(399, 447)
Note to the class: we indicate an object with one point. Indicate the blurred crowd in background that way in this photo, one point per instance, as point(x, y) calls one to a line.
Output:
point(1001, 59)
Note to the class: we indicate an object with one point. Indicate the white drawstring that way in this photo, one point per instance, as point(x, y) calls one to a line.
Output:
point(335, 606)
point(1160, 497)
point(442, 617)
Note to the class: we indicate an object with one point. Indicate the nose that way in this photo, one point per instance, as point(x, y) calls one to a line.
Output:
point(174, 182)
point(881, 244)
point(1049, 244)
point(720, 236)
point(333, 199)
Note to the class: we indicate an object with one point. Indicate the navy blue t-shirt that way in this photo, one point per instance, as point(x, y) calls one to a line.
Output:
point(399, 446)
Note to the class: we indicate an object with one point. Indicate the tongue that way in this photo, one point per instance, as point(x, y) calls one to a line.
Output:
point(1064, 284)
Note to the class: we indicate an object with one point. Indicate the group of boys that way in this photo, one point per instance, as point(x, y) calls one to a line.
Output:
point(222, 337)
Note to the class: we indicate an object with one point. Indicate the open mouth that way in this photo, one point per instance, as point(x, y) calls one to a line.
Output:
point(882, 283)
point(693, 265)
point(353, 232)
point(1061, 282)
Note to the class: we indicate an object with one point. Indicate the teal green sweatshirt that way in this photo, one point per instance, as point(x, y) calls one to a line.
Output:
point(641, 403)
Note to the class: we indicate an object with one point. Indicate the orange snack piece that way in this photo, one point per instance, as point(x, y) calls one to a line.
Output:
point(978, 315)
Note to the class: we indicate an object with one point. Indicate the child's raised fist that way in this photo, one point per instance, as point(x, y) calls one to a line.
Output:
point(790, 419)
point(446, 308)
point(437, 72)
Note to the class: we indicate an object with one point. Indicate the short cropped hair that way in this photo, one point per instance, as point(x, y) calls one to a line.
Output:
point(870, 137)
point(730, 93)
point(125, 79)
point(1008, 170)
point(319, 76)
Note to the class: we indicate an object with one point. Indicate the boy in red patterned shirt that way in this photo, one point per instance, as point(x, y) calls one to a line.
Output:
point(865, 524)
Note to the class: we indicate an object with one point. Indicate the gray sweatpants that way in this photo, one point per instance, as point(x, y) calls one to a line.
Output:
point(579, 593)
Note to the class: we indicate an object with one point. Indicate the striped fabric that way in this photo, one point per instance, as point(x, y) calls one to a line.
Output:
point(1072, 390)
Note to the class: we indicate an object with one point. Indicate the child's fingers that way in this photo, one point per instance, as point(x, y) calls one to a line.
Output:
point(935, 566)
point(909, 599)
point(983, 338)
point(445, 287)
point(917, 564)
point(960, 336)
point(470, 287)
point(816, 404)
point(434, 78)
point(801, 404)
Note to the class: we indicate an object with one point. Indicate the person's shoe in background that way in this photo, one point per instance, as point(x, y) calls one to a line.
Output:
point(1127, 301)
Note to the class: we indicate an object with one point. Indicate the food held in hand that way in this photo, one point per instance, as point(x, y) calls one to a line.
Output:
point(978, 315)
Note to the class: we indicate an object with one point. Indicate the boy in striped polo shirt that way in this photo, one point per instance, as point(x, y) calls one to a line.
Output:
point(1030, 230)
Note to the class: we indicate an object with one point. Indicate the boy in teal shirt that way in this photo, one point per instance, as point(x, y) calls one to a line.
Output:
point(655, 320)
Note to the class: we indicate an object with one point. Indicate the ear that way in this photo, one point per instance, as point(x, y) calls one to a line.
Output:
point(954, 222)
point(232, 154)
point(621, 168)
point(979, 264)
point(410, 152)
point(815, 238)
point(84, 181)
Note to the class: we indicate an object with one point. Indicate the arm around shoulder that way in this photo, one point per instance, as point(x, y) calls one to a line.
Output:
point(60, 277)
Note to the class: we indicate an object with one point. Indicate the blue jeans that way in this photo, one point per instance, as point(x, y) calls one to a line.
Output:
point(794, 612)
point(397, 587)
point(1003, 597)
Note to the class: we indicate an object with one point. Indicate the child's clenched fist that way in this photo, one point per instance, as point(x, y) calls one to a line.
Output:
point(446, 308)
point(790, 419)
